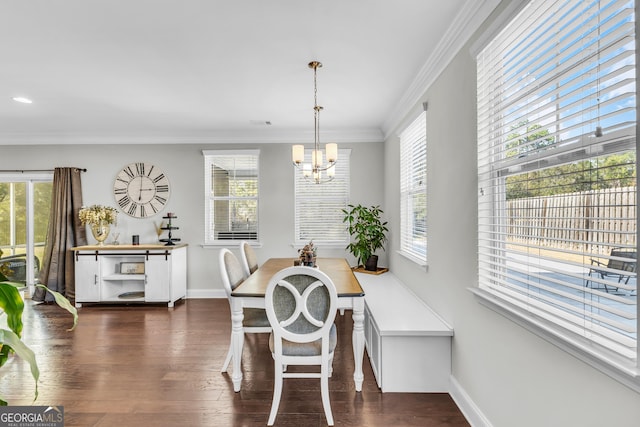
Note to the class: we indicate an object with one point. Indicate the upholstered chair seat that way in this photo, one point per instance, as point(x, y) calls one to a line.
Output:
point(290, 348)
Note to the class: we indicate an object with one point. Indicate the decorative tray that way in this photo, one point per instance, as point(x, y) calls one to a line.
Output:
point(132, 295)
point(360, 269)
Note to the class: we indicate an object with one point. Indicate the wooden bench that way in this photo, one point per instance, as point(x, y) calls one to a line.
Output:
point(408, 344)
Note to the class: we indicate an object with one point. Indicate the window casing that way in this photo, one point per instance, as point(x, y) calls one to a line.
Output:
point(413, 190)
point(557, 177)
point(231, 195)
point(318, 207)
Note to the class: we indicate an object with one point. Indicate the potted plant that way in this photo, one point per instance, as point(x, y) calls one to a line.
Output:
point(368, 233)
point(12, 306)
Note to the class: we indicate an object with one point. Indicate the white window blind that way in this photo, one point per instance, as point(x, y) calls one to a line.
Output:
point(413, 190)
point(318, 207)
point(231, 195)
point(557, 171)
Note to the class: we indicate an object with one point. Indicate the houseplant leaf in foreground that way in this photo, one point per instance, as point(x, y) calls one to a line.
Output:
point(64, 303)
point(20, 349)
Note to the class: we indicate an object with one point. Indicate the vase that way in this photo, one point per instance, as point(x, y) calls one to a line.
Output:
point(100, 232)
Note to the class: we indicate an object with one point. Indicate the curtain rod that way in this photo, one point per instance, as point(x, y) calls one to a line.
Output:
point(35, 170)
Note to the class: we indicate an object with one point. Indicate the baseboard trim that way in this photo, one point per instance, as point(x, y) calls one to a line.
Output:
point(467, 406)
point(205, 293)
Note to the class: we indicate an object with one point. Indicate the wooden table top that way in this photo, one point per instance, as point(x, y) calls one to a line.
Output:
point(143, 247)
point(337, 269)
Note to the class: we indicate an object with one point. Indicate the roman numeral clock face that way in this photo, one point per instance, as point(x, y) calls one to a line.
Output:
point(141, 190)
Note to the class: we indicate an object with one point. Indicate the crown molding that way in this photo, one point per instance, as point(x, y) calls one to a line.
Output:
point(216, 137)
point(471, 16)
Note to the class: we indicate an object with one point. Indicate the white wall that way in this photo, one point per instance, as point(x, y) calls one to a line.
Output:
point(184, 165)
point(513, 377)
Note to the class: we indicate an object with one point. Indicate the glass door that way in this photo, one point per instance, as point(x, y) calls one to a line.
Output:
point(25, 202)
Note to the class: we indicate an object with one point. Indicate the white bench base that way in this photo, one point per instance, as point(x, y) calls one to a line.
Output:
point(408, 344)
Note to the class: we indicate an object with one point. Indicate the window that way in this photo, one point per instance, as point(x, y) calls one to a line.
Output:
point(413, 190)
point(231, 199)
point(557, 177)
point(318, 207)
point(25, 202)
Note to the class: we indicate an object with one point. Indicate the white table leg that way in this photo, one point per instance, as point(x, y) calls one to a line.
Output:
point(358, 341)
point(237, 338)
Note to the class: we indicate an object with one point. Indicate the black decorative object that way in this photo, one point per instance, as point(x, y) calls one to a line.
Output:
point(170, 241)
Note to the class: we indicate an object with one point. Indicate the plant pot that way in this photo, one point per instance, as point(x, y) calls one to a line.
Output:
point(372, 263)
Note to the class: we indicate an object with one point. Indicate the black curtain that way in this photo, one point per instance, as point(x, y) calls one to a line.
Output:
point(65, 231)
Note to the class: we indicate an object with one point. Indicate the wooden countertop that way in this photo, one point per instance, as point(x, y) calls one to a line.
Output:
point(148, 247)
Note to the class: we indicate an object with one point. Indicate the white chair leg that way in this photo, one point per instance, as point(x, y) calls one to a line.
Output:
point(324, 386)
point(277, 393)
point(227, 360)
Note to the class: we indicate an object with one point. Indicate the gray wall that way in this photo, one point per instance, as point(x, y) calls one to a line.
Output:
point(512, 376)
point(184, 165)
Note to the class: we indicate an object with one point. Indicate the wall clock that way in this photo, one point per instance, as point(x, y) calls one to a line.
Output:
point(141, 190)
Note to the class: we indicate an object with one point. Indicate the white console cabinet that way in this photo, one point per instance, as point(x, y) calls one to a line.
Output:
point(127, 273)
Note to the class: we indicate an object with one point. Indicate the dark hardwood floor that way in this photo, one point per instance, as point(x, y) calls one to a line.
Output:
point(141, 365)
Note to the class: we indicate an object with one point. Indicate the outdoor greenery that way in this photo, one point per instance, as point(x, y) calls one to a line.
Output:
point(17, 228)
point(610, 171)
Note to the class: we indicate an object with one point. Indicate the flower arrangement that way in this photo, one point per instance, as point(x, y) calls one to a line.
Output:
point(97, 214)
point(308, 254)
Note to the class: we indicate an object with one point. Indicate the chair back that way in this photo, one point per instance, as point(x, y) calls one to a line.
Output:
point(230, 270)
point(15, 267)
point(249, 259)
point(616, 263)
point(301, 304)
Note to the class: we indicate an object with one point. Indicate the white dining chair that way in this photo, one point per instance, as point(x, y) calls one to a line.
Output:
point(301, 305)
point(249, 259)
point(255, 319)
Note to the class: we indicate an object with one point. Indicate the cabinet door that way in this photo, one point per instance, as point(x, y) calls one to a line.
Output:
point(87, 279)
point(158, 271)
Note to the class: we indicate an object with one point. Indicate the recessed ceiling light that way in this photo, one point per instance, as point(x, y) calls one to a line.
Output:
point(22, 99)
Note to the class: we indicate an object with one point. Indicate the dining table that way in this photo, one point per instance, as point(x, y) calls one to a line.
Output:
point(251, 293)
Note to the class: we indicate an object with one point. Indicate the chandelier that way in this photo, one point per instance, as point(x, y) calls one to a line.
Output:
point(313, 171)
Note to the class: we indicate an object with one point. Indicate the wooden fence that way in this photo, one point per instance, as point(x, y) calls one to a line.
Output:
point(591, 221)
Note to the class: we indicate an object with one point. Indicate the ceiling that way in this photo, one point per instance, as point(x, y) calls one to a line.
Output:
point(154, 71)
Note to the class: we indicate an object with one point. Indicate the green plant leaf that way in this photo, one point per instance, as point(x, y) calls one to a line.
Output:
point(13, 306)
point(21, 350)
point(64, 303)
